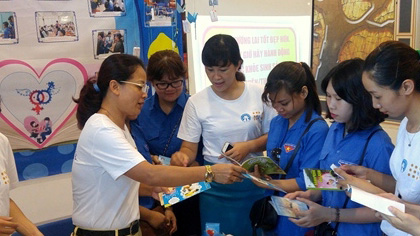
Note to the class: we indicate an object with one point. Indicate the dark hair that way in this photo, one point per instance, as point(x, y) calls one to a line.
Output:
point(101, 34)
point(292, 76)
point(391, 63)
point(346, 79)
point(118, 35)
point(221, 50)
point(165, 62)
point(6, 24)
point(117, 67)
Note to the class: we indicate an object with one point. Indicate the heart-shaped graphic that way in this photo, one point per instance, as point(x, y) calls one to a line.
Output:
point(37, 105)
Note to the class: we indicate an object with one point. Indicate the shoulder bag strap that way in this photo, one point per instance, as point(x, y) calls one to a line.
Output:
point(289, 163)
point(362, 158)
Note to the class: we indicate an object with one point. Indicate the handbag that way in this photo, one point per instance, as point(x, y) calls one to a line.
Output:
point(325, 229)
point(262, 214)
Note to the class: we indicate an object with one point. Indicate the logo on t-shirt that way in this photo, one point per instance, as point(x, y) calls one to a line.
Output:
point(413, 171)
point(257, 115)
point(4, 177)
point(245, 117)
point(289, 147)
point(403, 165)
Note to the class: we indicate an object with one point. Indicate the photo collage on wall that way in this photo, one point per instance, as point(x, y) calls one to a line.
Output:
point(8, 31)
point(160, 12)
point(61, 26)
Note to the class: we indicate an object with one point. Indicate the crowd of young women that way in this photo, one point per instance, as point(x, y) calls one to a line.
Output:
point(108, 167)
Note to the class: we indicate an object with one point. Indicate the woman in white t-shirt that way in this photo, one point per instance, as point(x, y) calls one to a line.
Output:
point(11, 217)
point(107, 167)
point(392, 76)
point(230, 110)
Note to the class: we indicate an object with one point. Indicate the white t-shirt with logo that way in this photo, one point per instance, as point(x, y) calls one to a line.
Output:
point(405, 168)
point(219, 120)
point(8, 174)
point(103, 197)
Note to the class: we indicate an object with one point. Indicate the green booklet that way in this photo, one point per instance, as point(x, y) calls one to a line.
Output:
point(266, 165)
point(320, 179)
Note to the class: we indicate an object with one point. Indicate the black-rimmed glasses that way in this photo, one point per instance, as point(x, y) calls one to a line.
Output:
point(164, 85)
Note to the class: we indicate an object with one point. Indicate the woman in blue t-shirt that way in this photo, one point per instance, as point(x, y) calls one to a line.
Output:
point(291, 90)
point(356, 124)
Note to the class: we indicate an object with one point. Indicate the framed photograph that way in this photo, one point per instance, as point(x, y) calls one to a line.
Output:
point(56, 26)
point(8, 31)
point(107, 42)
point(104, 8)
point(160, 12)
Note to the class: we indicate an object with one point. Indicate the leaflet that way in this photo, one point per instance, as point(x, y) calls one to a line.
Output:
point(181, 193)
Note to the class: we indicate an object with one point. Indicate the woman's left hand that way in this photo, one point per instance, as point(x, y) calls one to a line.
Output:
point(171, 221)
point(238, 152)
point(403, 221)
point(316, 214)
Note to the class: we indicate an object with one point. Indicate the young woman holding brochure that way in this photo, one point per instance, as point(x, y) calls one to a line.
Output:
point(356, 126)
point(392, 77)
point(159, 121)
point(228, 110)
point(291, 90)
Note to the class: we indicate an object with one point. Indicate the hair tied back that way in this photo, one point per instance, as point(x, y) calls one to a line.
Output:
point(96, 87)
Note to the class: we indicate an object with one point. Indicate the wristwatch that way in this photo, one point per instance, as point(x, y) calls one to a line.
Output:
point(209, 175)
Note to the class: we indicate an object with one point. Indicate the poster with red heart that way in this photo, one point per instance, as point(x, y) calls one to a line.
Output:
point(46, 55)
point(37, 104)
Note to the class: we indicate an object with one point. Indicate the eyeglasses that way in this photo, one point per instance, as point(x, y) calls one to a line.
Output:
point(175, 84)
point(144, 87)
point(275, 154)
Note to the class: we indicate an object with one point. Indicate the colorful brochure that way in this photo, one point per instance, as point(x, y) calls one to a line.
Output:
point(266, 165)
point(320, 179)
point(181, 193)
point(287, 207)
point(268, 184)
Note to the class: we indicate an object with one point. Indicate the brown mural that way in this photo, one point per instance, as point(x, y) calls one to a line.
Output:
point(345, 29)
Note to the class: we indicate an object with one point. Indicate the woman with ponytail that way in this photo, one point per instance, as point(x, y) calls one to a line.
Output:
point(291, 91)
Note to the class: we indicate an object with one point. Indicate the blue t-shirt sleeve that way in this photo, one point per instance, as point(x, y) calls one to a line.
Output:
point(378, 152)
point(311, 145)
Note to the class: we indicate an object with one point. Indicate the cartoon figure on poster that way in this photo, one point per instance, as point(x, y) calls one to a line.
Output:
point(56, 26)
point(38, 131)
point(106, 8)
point(108, 42)
point(8, 28)
point(160, 12)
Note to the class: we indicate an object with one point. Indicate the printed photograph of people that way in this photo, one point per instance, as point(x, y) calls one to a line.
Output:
point(160, 12)
point(8, 32)
point(106, 8)
point(108, 42)
point(56, 26)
